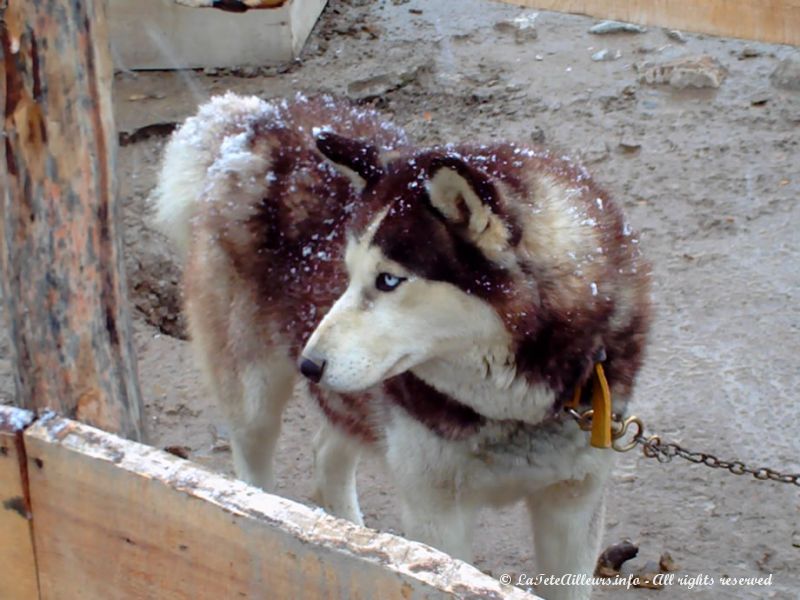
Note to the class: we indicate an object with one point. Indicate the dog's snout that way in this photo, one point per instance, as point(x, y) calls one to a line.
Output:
point(312, 368)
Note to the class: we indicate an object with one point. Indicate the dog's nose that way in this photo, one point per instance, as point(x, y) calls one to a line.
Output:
point(312, 369)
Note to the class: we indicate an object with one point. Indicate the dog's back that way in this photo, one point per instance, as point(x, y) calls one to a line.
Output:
point(258, 213)
point(245, 194)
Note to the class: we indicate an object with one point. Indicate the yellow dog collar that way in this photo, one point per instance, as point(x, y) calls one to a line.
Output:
point(601, 408)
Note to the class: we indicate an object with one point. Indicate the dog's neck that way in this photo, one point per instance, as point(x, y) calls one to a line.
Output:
point(489, 383)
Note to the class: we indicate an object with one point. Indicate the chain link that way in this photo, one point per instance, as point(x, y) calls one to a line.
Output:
point(664, 452)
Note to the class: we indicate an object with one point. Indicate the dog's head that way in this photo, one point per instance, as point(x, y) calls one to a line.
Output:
point(430, 252)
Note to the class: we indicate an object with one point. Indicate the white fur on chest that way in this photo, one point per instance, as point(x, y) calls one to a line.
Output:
point(492, 467)
point(488, 382)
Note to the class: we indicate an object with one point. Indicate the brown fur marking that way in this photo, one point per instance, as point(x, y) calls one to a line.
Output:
point(557, 330)
point(265, 260)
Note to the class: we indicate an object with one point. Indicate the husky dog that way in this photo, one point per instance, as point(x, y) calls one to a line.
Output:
point(445, 304)
point(260, 215)
point(484, 282)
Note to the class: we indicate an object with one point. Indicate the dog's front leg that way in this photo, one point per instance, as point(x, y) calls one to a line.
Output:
point(254, 407)
point(335, 462)
point(425, 469)
point(567, 522)
point(434, 515)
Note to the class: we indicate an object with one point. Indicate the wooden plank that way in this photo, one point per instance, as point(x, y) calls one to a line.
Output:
point(60, 246)
point(17, 559)
point(116, 519)
point(776, 21)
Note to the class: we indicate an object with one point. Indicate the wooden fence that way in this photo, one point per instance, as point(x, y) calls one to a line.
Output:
point(776, 21)
point(88, 515)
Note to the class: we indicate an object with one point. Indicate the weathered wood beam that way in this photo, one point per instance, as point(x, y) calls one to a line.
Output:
point(776, 21)
point(18, 578)
point(117, 520)
point(60, 245)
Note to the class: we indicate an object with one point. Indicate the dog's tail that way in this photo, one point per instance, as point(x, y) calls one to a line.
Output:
point(190, 152)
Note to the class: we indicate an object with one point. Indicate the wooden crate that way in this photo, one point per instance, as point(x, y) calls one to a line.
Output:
point(776, 21)
point(114, 520)
point(162, 34)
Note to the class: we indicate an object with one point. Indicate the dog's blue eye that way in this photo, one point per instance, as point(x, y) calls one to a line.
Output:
point(386, 282)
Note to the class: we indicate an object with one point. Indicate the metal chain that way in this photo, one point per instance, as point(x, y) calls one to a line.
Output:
point(664, 452)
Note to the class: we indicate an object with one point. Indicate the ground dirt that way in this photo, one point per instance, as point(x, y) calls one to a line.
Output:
point(711, 179)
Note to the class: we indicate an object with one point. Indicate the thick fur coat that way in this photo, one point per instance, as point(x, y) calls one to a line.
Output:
point(445, 302)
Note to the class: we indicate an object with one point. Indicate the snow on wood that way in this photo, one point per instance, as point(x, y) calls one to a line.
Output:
point(116, 519)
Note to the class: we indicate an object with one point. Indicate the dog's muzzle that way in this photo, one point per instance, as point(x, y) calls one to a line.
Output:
point(312, 368)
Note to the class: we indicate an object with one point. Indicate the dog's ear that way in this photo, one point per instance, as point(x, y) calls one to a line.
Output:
point(359, 160)
point(467, 198)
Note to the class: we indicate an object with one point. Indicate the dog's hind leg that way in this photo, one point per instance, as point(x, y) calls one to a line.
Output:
point(568, 524)
point(336, 457)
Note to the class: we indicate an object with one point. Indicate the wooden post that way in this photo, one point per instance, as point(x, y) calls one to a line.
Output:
point(60, 248)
